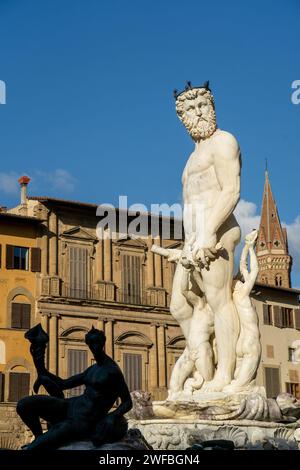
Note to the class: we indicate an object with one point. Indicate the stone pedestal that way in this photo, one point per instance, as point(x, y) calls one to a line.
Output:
point(133, 440)
point(179, 434)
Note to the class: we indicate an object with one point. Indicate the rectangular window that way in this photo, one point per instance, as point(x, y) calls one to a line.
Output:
point(272, 379)
point(292, 355)
point(133, 371)
point(268, 314)
point(131, 279)
point(18, 386)
point(20, 258)
point(287, 317)
point(20, 315)
point(78, 266)
point(293, 389)
point(77, 363)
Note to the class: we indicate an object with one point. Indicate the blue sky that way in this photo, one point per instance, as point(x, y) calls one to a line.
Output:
point(90, 112)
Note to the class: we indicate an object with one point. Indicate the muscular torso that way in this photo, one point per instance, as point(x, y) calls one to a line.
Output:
point(201, 186)
point(103, 387)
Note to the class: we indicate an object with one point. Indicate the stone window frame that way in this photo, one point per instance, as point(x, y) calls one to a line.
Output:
point(10, 299)
point(16, 362)
point(127, 343)
point(174, 348)
point(66, 343)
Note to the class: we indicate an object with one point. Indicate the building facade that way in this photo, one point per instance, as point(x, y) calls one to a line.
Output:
point(62, 275)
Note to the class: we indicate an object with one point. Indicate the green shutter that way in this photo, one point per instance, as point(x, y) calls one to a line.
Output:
point(272, 382)
point(133, 371)
point(16, 315)
point(18, 386)
point(77, 363)
point(24, 385)
point(1, 386)
point(131, 279)
point(266, 314)
point(25, 316)
point(13, 387)
point(9, 257)
point(297, 318)
point(78, 266)
point(36, 260)
point(277, 316)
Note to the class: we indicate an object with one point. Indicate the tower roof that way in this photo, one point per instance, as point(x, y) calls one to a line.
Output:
point(272, 237)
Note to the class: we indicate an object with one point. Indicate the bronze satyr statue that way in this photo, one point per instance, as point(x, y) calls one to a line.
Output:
point(82, 417)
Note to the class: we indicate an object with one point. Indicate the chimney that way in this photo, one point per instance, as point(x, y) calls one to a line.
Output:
point(23, 181)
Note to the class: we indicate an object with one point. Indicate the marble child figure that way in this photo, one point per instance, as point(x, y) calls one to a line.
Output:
point(248, 346)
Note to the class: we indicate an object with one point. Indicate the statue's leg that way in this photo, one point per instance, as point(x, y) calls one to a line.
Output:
point(181, 371)
point(58, 435)
point(180, 309)
point(31, 409)
point(217, 282)
point(250, 350)
point(199, 342)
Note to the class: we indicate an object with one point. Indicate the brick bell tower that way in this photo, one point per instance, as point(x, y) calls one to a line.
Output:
point(272, 246)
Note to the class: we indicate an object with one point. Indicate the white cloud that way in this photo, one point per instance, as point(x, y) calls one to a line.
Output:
point(62, 180)
point(42, 182)
point(9, 183)
point(293, 234)
point(247, 216)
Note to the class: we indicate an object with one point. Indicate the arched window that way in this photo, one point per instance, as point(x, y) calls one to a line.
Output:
point(19, 381)
point(20, 313)
point(278, 280)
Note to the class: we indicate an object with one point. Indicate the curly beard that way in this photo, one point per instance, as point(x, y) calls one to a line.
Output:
point(200, 128)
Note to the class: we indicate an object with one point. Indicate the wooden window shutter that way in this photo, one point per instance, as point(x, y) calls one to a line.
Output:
point(77, 363)
point(13, 386)
point(277, 316)
point(131, 278)
point(36, 260)
point(25, 316)
point(297, 318)
point(272, 382)
point(16, 315)
point(9, 257)
point(133, 371)
point(24, 386)
point(78, 265)
point(1, 386)
point(18, 386)
point(266, 315)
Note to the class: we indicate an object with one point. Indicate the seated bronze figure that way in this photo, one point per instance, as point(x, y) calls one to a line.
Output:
point(87, 416)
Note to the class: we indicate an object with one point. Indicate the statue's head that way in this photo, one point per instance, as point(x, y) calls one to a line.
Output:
point(196, 109)
point(95, 339)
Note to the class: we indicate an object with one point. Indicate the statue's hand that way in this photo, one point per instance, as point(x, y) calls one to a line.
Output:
point(174, 255)
point(251, 238)
point(205, 251)
point(51, 383)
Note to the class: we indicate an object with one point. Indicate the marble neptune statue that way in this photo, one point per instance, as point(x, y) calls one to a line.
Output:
point(218, 320)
